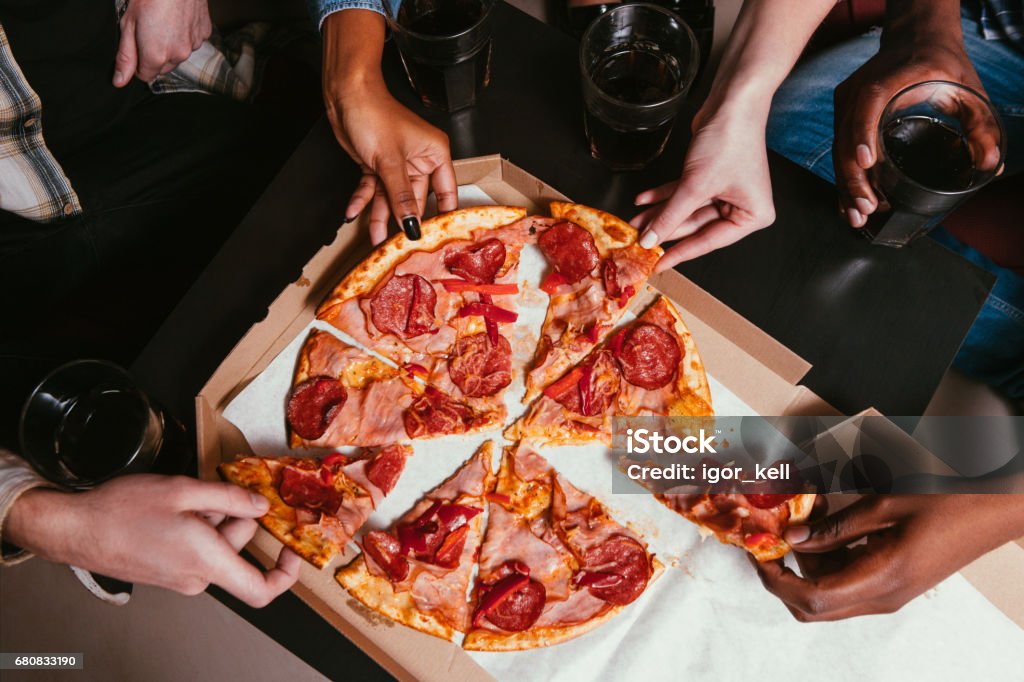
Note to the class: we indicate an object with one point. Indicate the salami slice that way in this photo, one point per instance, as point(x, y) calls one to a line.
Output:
point(649, 357)
point(386, 552)
point(620, 556)
point(404, 306)
point(313, 404)
point(570, 249)
point(481, 368)
point(385, 467)
point(434, 413)
point(305, 489)
point(478, 262)
point(768, 500)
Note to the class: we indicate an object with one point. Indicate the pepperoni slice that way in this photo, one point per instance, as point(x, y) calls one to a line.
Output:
point(479, 367)
point(386, 552)
point(570, 249)
point(313, 404)
point(404, 306)
point(477, 262)
point(305, 489)
point(385, 467)
point(649, 357)
point(514, 603)
point(434, 413)
point(768, 500)
point(596, 386)
point(617, 556)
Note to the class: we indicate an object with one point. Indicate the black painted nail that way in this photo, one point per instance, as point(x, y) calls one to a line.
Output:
point(411, 227)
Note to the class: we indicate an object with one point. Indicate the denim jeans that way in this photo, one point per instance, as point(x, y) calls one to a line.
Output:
point(801, 129)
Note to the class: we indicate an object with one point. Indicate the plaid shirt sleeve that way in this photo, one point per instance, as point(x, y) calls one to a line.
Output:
point(16, 478)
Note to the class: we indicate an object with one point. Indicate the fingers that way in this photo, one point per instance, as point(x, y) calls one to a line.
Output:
point(863, 517)
point(715, 235)
point(218, 498)
point(676, 210)
point(246, 582)
point(379, 214)
point(656, 195)
point(446, 188)
point(238, 532)
point(127, 55)
point(400, 193)
point(856, 139)
point(361, 197)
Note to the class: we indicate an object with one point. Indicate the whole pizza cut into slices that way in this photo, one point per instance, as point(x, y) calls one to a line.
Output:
point(596, 268)
point(441, 306)
point(418, 571)
point(341, 395)
point(649, 367)
point(753, 522)
point(553, 564)
point(316, 506)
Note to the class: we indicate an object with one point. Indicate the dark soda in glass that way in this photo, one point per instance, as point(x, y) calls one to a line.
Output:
point(930, 152)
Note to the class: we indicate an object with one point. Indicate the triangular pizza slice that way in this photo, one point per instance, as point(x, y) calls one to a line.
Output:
point(597, 267)
point(341, 396)
point(553, 564)
point(316, 506)
point(649, 367)
point(418, 571)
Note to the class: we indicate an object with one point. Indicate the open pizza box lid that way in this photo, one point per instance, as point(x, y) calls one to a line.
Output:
point(751, 364)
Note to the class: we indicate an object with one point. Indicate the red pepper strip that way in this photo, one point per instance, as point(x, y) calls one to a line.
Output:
point(326, 475)
point(593, 332)
point(460, 285)
point(416, 370)
point(411, 540)
point(498, 593)
point(617, 341)
point(492, 327)
point(450, 515)
point(552, 282)
point(586, 394)
point(626, 294)
point(450, 551)
point(598, 579)
point(488, 312)
point(334, 458)
point(427, 515)
point(557, 389)
point(500, 498)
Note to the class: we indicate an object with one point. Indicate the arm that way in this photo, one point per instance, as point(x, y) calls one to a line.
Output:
point(724, 192)
point(401, 154)
point(913, 542)
point(922, 40)
point(173, 532)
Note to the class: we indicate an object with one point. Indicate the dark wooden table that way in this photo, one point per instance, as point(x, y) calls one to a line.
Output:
point(879, 325)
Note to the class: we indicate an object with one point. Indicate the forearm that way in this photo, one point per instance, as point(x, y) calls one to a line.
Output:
point(766, 41)
point(353, 45)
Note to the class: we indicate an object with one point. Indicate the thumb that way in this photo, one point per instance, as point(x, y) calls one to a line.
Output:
point(401, 197)
point(680, 206)
point(127, 56)
point(220, 498)
point(839, 529)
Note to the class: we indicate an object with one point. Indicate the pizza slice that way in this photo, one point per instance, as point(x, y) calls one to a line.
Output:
point(341, 395)
point(651, 367)
point(438, 306)
point(316, 506)
point(597, 267)
point(753, 522)
point(418, 571)
point(553, 564)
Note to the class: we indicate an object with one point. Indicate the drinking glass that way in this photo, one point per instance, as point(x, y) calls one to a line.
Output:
point(445, 46)
point(938, 143)
point(637, 62)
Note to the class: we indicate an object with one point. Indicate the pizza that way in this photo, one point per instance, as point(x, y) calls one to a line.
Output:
point(753, 522)
point(316, 506)
point(418, 571)
point(438, 307)
point(649, 367)
point(597, 267)
point(553, 565)
point(341, 396)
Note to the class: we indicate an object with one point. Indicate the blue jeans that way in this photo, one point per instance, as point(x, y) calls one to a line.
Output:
point(801, 129)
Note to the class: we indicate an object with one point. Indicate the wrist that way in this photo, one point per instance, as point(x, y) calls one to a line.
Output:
point(747, 102)
point(353, 46)
point(40, 521)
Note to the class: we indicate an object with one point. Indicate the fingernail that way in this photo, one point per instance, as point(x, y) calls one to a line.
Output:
point(796, 534)
point(649, 239)
point(118, 77)
point(260, 502)
point(349, 219)
point(411, 227)
point(863, 156)
point(855, 217)
point(864, 206)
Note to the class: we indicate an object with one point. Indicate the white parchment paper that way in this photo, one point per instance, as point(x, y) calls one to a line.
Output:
point(707, 616)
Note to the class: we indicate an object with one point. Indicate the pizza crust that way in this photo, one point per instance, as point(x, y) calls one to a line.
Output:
point(609, 231)
point(692, 380)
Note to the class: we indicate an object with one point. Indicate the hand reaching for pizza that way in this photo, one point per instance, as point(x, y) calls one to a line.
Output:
point(401, 155)
point(905, 544)
point(157, 35)
point(723, 195)
point(172, 532)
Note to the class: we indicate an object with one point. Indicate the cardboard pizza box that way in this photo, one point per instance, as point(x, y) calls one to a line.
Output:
point(751, 364)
